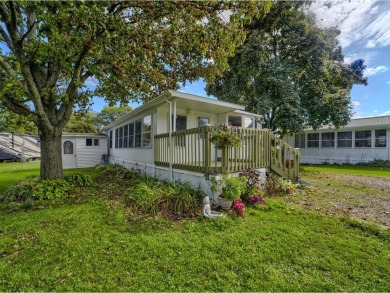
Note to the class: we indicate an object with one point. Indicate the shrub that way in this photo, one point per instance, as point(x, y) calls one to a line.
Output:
point(273, 186)
point(184, 200)
point(79, 179)
point(375, 163)
point(116, 171)
point(51, 189)
point(233, 187)
point(18, 192)
point(253, 182)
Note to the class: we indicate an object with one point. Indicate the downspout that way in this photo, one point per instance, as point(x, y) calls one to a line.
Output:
point(170, 141)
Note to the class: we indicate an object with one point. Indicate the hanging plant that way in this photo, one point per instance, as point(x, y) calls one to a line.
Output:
point(226, 136)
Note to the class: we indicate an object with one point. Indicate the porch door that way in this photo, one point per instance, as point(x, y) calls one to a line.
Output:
point(69, 159)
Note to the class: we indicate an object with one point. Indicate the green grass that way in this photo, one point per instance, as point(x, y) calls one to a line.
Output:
point(88, 247)
point(348, 169)
point(92, 243)
point(14, 172)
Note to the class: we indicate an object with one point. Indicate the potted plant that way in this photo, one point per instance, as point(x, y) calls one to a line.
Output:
point(231, 190)
point(288, 186)
point(239, 207)
point(225, 136)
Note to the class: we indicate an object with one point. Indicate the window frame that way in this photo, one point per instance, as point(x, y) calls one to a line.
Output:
point(309, 140)
point(298, 140)
point(148, 131)
point(330, 141)
point(376, 138)
point(339, 140)
point(367, 139)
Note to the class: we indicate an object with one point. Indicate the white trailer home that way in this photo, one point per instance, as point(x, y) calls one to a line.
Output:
point(169, 138)
point(82, 150)
point(362, 140)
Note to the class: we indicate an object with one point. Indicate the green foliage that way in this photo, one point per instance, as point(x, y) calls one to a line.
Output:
point(81, 122)
point(12, 122)
point(110, 114)
point(115, 171)
point(290, 71)
point(134, 50)
point(184, 200)
point(225, 136)
point(253, 183)
point(17, 192)
point(51, 189)
point(79, 179)
point(375, 163)
point(152, 197)
point(232, 187)
point(274, 185)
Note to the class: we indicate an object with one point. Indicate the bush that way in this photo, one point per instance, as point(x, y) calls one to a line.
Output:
point(116, 171)
point(184, 200)
point(252, 178)
point(18, 192)
point(152, 197)
point(79, 179)
point(375, 163)
point(51, 189)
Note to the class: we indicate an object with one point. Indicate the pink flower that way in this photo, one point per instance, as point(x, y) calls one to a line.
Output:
point(238, 204)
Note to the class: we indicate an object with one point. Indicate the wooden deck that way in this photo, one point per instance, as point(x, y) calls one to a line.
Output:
point(192, 150)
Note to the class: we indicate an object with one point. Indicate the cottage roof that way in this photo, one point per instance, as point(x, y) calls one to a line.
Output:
point(187, 101)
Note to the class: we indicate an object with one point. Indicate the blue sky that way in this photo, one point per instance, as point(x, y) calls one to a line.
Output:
point(365, 33)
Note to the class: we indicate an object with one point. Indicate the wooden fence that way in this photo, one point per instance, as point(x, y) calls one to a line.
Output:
point(192, 150)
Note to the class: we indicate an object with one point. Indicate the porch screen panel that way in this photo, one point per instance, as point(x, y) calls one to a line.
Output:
point(363, 139)
point(116, 138)
point(131, 135)
point(138, 133)
point(313, 140)
point(327, 140)
point(380, 138)
point(235, 121)
point(125, 136)
point(344, 139)
point(121, 137)
point(300, 140)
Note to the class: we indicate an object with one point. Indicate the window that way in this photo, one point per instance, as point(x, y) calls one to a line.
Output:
point(363, 139)
point(131, 135)
point(92, 142)
point(125, 135)
point(68, 148)
point(327, 140)
point(249, 122)
point(147, 131)
point(138, 133)
point(116, 138)
point(120, 137)
point(111, 139)
point(181, 122)
point(235, 121)
point(344, 139)
point(313, 140)
point(380, 138)
point(202, 121)
point(300, 140)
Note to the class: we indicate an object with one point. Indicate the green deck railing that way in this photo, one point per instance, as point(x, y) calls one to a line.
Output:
point(192, 150)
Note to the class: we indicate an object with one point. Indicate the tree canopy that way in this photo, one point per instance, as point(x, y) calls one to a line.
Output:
point(12, 122)
point(81, 122)
point(135, 49)
point(110, 114)
point(290, 71)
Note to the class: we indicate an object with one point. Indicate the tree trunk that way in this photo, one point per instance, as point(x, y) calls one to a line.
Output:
point(51, 155)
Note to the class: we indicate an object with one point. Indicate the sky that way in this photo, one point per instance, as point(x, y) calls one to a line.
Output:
point(365, 34)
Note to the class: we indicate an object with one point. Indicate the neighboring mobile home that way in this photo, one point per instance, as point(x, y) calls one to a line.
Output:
point(169, 138)
point(82, 150)
point(362, 140)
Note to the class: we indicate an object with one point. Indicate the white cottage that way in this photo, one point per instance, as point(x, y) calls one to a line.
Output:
point(362, 140)
point(82, 150)
point(169, 138)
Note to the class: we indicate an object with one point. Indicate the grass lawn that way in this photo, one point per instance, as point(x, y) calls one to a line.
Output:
point(14, 172)
point(91, 243)
point(348, 169)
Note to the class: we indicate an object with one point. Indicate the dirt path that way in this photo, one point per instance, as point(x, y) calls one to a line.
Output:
point(366, 198)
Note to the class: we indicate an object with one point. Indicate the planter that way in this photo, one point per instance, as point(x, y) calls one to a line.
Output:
point(290, 191)
point(240, 212)
point(225, 204)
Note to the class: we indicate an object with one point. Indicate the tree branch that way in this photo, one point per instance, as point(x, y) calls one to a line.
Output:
point(14, 106)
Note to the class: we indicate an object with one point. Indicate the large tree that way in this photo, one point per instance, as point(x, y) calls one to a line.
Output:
point(81, 122)
point(135, 49)
point(290, 71)
point(110, 114)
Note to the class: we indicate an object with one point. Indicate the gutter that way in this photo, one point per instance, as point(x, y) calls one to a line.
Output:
point(170, 141)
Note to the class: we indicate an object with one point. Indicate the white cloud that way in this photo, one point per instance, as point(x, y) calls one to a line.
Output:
point(355, 103)
point(358, 20)
point(375, 111)
point(388, 82)
point(375, 70)
point(387, 113)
